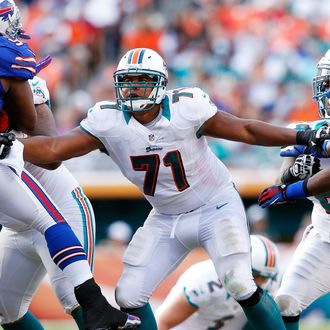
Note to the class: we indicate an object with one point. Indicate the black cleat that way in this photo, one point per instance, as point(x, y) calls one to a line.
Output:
point(98, 313)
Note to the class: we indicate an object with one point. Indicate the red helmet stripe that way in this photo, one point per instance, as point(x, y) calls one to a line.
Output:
point(5, 10)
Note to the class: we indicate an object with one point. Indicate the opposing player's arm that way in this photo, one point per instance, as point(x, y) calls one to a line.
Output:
point(45, 150)
point(20, 101)
point(319, 183)
point(45, 126)
point(45, 121)
point(173, 311)
point(308, 185)
point(226, 126)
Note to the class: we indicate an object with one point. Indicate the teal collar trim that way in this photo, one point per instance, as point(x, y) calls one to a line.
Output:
point(166, 108)
point(127, 114)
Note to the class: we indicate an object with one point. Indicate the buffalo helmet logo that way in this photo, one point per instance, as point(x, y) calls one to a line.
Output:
point(6, 10)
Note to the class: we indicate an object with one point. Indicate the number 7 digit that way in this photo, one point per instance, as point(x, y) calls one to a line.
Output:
point(150, 164)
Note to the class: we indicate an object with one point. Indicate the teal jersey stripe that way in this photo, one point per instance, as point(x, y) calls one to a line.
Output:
point(81, 199)
point(166, 108)
point(109, 106)
point(127, 115)
point(92, 223)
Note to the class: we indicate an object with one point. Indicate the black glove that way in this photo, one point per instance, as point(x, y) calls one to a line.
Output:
point(304, 167)
point(6, 141)
point(313, 138)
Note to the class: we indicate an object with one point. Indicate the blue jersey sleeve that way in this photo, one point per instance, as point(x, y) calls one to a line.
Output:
point(16, 59)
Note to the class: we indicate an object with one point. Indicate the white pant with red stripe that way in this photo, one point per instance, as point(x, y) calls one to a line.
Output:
point(24, 256)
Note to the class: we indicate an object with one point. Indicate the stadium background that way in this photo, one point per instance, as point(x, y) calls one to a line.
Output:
point(255, 58)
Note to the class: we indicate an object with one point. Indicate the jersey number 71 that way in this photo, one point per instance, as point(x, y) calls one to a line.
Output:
point(150, 164)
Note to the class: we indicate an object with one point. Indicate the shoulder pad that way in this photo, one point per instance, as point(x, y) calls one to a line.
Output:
point(16, 59)
point(101, 117)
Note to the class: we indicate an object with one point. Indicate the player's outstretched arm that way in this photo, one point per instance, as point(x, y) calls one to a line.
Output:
point(226, 126)
point(319, 183)
point(173, 311)
point(44, 150)
point(45, 126)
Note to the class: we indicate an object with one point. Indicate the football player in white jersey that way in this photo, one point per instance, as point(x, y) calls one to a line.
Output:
point(198, 301)
point(157, 137)
point(24, 203)
point(308, 275)
point(28, 248)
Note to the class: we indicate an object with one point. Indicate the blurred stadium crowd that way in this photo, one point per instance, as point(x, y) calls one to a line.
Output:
point(255, 58)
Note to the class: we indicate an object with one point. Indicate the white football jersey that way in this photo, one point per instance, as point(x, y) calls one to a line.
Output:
point(321, 209)
point(174, 167)
point(203, 290)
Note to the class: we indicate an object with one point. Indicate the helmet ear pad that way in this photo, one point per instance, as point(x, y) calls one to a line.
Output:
point(141, 61)
point(10, 19)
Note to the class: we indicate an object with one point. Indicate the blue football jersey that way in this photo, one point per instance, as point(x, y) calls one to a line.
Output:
point(16, 61)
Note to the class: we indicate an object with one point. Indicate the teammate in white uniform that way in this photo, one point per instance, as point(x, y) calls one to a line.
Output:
point(157, 138)
point(24, 203)
point(29, 249)
point(308, 275)
point(198, 301)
